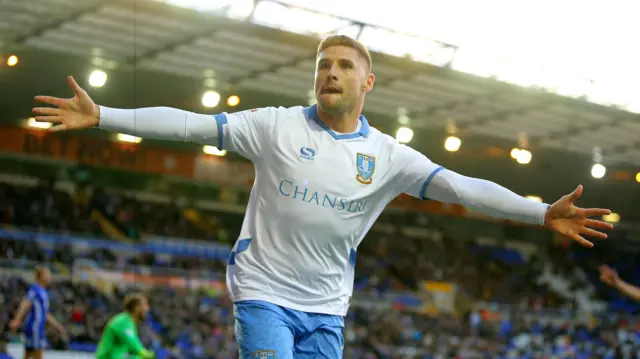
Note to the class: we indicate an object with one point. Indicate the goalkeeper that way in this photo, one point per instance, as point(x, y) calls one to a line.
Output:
point(120, 336)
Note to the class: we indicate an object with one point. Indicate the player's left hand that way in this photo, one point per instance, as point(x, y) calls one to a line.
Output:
point(565, 218)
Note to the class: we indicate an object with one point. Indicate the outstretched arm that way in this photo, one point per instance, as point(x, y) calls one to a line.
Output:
point(610, 277)
point(426, 180)
point(162, 123)
point(484, 196)
point(246, 132)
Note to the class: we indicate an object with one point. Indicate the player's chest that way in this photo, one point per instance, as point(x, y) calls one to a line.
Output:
point(347, 168)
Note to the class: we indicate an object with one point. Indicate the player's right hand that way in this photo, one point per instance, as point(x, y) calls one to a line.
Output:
point(14, 325)
point(74, 113)
point(609, 275)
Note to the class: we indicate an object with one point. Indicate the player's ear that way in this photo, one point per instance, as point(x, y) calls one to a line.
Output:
point(368, 84)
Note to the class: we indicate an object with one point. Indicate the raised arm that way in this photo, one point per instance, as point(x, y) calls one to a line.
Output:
point(163, 123)
point(246, 132)
point(426, 180)
point(611, 278)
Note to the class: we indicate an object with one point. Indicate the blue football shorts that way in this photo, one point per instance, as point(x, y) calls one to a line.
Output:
point(35, 340)
point(268, 331)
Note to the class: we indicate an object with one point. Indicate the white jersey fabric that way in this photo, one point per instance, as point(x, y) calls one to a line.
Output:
point(316, 194)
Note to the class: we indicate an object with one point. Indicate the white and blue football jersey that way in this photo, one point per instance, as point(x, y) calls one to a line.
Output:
point(316, 194)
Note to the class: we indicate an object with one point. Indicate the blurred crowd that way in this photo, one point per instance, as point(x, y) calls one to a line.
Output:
point(521, 299)
point(46, 208)
point(193, 324)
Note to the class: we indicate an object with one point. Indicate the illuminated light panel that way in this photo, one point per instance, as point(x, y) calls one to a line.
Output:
point(611, 217)
point(31, 122)
point(452, 144)
point(123, 137)
point(97, 78)
point(233, 101)
point(598, 171)
point(214, 151)
point(210, 99)
point(523, 156)
point(12, 61)
point(404, 135)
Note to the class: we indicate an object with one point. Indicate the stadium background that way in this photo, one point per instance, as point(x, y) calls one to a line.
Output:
point(109, 214)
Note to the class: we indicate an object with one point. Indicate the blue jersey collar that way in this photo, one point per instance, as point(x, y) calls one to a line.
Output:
point(312, 113)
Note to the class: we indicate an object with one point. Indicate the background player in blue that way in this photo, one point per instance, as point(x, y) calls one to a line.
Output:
point(323, 176)
point(36, 308)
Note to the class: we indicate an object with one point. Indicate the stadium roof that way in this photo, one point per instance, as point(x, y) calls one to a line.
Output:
point(159, 54)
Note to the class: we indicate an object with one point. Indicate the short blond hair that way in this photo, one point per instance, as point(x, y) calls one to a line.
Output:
point(39, 272)
point(132, 301)
point(343, 40)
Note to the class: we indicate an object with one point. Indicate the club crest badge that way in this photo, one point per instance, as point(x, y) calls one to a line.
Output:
point(365, 165)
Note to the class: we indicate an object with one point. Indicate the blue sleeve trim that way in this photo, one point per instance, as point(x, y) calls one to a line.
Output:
point(423, 190)
point(221, 119)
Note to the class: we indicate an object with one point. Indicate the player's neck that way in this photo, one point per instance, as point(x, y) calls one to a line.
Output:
point(133, 317)
point(341, 123)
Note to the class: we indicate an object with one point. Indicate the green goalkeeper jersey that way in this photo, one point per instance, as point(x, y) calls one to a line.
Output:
point(120, 340)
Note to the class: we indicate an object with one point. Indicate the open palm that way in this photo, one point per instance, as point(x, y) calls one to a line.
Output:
point(69, 114)
point(565, 218)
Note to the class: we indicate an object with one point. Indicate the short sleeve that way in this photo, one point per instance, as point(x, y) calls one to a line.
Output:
point(414, 171)
point(247, 132)
point(32, 294)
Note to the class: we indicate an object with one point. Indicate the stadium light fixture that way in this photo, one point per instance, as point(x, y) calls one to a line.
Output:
point(452, 144)
point(211, 150)
point(534, 198)
point(611, 218)
point(404, 135)
point(233, 101)
point(122, 137)
point(31, 122)
point(598, 170)
point(12, 60)
point(523, 156)
point(97, 78)
point(210, 99)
